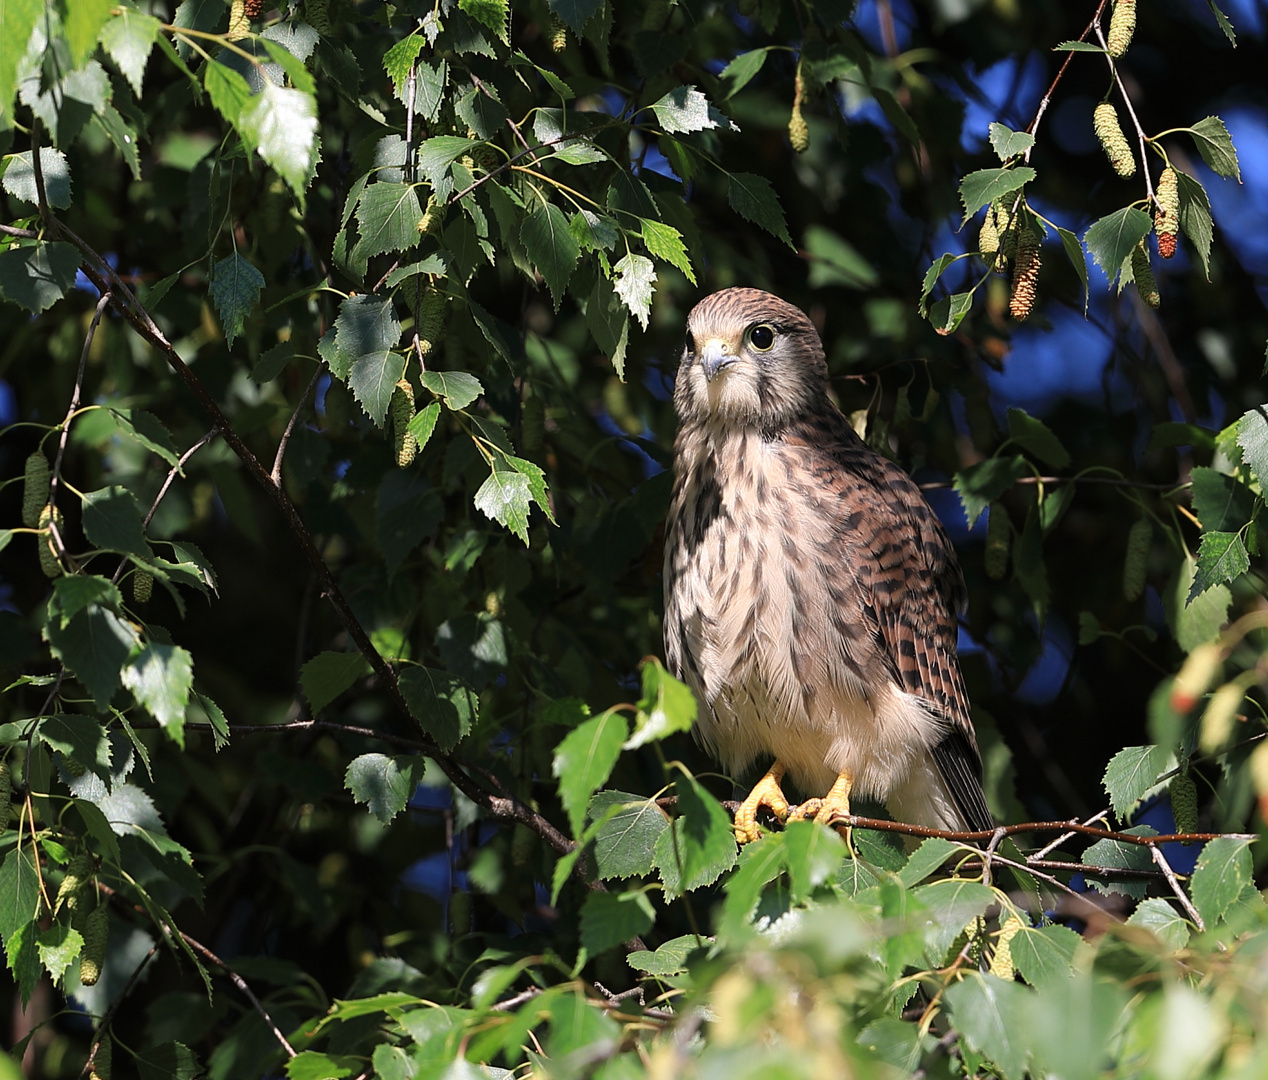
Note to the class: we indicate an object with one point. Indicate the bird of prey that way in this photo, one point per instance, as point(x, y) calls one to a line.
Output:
point(810, 592)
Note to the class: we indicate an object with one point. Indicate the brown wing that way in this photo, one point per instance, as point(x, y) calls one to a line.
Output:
point(915, 586)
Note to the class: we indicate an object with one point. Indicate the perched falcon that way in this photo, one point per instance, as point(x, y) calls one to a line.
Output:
point(810, 591)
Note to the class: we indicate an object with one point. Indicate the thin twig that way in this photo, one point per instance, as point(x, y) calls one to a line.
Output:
point(1052, 481)
point(1169, 874)
point(276, 474)
point(1033, 126)
point(1131, 111)
point(107, 1018)
point(1043, 851)
point(22, 234)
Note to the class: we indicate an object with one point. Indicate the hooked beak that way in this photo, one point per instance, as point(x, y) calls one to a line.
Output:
point(714, 356)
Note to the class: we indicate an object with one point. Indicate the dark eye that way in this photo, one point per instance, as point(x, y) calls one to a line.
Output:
point(761, 337)
point(691, 343)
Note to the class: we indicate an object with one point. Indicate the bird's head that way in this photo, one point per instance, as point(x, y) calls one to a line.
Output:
point(750, 359)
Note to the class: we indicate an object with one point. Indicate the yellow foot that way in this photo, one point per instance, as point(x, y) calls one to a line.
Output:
point(833, 805)
point(766, 792)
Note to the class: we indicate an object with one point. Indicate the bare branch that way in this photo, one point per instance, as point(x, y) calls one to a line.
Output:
point(276, 474)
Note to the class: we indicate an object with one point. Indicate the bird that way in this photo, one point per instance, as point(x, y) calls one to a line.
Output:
point(811, 593)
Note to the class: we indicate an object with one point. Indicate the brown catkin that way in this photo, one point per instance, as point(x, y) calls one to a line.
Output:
point(1145, 283)
point(402, 408)
point(1113, 141)
point(101, 1063)
point(49, 562)
point(71, 890)
point(998, 536)
point(96, 933)
point(34, 489)
point(1122, 26)
point(1184, 802)
point(253, 8)
point(1167, 215)
point(1136, 561)
point(1025, 273)
point(6, 795)
point(431, 319)
point(142, 586)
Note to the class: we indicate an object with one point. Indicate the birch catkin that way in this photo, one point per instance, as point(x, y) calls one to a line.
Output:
point(1113, 141)
point(1167, 215)
point(1122, 26)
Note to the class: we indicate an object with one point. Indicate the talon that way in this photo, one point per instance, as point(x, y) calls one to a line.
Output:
point(766, 792)
point(836, 803)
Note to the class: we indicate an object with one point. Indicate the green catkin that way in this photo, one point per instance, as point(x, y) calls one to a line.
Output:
point(1122, 26)
point(558, 34)
point(1167, 215)
point(402, 408)
point(1113, 141)
point(997, 542)
point(1184, 802)
point(1136, 561)
point(1005, 228)
point(70, 892)
point(1025, 273)
point(142, 586)
point(988, 238)
point(35, 487)
point(239, 21)
point(96, 934)
point(317, 12)
point(433, 214)
point(1002, 962)
point(798, 130)
point(431, 319)
point(49, 562)
point(1145, 283)
point(1220, 716)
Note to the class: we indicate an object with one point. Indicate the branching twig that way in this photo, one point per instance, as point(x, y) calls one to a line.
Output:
point(1170, 875)
point(276, 474)
point(1046, 100)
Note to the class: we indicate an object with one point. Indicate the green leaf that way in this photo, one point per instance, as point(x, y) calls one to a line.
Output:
point(504, 497)
point(311, 1065)
point(991, 1013)
point(669, 959)
point(423, 423)
point(80, 738)
point(759, 864)
point(684, 109)
point(743, 69)
point(1162, 920)
point(1037, 439)
point(634, 283)
point(1223, 22)
point(593, 232)
point(281, 123)
point(398, 62)
point(94, 646)
point(112, 520)
point(1045, 954)
point(24, 962)
point(458, 388)
point(227, 89)
point(980, 485)
point(927, 858)
point(986, 185)
point(19, 177)
point(576, 13)
point(1222, 557)
point(365, 332)
point(665, 242)
point(936, 269)
point(442, 703)
point(1132, 773)
point(699, 846)
point(1112, 238)
point(896, 114)
point(1028, 563)
point(1195, 218)
point(36, 277)
point(1252, 437)
point(495, 14)
point(1221, 503)
point(19, 893)
point(584, 760)
point(952, 905)
point(609, 323)
point(834, 261)
point(946, 314)
point(1008, 143)
point(1077, 46)
point(753, 198)
point(168, 1061)
point(1116, 855)
point(1074, 252)
point(384, 783)
point(548, 239)
point(625, 843)
point(329, 674)
point(1223, 872)
point(235, 287)
point(17, 20)
point(608, 919)
point(72, 594)
point(435, 160)
point(160, 677)
point(58, 946)
point(666, 706)
point(1216, 147)
point(129, 39)
point(387, 219)
point(812, 853)
point(84, 20)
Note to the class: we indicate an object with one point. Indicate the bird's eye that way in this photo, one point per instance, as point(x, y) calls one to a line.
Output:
point(691, 343)
point(761, 337)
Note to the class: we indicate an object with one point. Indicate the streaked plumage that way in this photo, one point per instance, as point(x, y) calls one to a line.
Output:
point(810, 591)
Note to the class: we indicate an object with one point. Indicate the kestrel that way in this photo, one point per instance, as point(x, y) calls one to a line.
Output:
point(810, 592)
